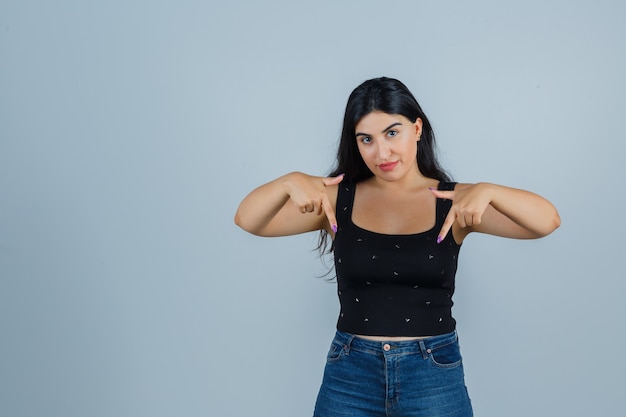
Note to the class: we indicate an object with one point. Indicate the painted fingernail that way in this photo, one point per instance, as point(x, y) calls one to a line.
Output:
point(334, 227)
point(439, 239)
point(431, 188)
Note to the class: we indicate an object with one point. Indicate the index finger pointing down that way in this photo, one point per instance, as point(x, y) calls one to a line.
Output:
point(447, 224)
point(330, 213)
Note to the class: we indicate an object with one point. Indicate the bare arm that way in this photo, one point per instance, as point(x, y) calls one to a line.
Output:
point(498, 210)
point(291, 204)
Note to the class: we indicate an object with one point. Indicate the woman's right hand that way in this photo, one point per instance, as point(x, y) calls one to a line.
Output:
point(294, 203)
point(308, 194)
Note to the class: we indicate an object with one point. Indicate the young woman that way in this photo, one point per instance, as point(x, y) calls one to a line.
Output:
point(396, 223)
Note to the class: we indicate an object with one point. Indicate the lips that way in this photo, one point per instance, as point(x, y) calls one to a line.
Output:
point(388, 166)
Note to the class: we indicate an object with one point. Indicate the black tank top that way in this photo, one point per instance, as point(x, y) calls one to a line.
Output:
point(394, 285)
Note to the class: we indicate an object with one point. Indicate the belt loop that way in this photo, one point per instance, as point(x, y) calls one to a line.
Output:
point(423, 348)
point(348, 344)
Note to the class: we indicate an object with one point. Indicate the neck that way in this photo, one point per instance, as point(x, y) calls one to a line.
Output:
point(414, 180)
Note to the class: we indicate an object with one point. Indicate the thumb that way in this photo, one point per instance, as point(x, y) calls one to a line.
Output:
point(448, 195)
point(333, 180)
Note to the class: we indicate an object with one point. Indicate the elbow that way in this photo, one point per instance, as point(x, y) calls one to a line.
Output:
point(556, 221)
point(246, 226)
point(552, 223)
point(239, 221)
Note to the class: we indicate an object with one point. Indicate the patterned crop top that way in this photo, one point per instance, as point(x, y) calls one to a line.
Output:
point(394, 285)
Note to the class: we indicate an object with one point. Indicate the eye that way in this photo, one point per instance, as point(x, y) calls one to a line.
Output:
point(366, 139)
point(392, 133)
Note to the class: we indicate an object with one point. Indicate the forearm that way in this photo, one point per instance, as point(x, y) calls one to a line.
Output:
point(526, 209)
point(259, 207)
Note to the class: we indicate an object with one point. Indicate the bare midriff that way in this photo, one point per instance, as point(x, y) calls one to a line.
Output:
point(388, 339)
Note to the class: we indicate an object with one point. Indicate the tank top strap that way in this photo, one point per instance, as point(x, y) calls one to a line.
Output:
point(446, 186)
point(345, 202)
point(443, 205)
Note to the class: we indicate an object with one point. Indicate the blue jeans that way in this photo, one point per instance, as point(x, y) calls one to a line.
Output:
point(417, 378)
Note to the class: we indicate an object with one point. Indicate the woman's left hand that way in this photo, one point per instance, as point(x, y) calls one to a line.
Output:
point(497, 210)
point(468, 206)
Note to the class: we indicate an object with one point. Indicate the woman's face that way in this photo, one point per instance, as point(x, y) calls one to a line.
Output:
point(388, 144)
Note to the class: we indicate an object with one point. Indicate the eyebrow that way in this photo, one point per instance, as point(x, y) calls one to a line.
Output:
point(383, 131)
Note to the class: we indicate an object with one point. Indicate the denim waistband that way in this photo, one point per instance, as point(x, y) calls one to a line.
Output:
point(391, 347)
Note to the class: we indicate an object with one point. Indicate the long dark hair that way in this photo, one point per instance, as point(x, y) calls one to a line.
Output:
point(391, 96)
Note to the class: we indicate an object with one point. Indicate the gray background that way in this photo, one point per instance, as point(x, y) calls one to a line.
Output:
point(130, 131)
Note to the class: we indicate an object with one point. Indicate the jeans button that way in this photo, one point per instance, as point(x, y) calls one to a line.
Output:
point(386, 347)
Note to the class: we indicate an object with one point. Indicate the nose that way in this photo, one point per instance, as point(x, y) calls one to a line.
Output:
point(383, 149)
